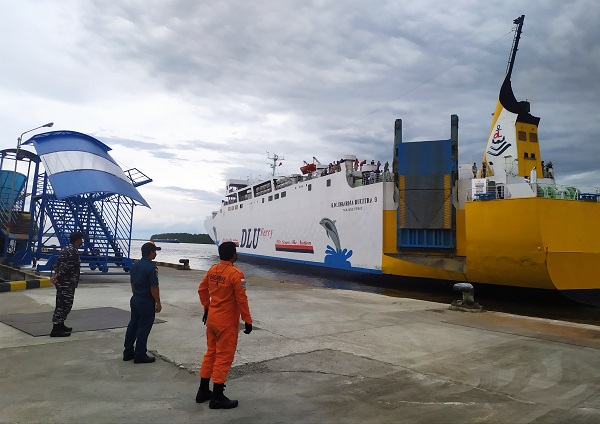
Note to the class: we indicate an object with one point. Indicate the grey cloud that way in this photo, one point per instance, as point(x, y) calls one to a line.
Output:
point(344, 71)
point(195, 195)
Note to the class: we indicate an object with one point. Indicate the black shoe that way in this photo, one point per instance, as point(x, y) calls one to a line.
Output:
point(144, 360)
point(204, 393)
point(58, 331)
point(219, 400)
point(64, 327)
point(128, 356)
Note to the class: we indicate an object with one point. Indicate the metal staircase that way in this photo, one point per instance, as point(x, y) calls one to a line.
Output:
point(104, 214)
point(104, 219)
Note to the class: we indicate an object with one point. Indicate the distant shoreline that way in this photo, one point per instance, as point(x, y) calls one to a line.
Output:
point(180, 237)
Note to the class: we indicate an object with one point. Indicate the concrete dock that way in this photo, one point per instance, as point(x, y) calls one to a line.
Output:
point(316, 355)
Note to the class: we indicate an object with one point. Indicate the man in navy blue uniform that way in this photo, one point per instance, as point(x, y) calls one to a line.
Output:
point(145, 302)
point(66, 278)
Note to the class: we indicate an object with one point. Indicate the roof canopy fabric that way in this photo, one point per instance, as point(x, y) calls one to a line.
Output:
point(78, 164)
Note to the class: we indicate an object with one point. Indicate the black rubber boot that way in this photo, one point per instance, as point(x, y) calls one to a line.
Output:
point(58, 331)
point(219, 400)
point(64, 327)
point(204, 392)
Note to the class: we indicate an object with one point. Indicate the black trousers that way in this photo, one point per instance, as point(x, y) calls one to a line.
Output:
point(140, 324)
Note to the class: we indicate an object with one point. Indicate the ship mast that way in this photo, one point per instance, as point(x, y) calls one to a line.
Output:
point(513, 139)
point(274, 165)
point(513, 51)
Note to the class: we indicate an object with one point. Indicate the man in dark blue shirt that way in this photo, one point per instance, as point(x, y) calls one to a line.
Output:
point(144, 303)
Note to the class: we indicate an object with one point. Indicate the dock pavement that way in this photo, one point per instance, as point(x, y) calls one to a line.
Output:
point(316, 355)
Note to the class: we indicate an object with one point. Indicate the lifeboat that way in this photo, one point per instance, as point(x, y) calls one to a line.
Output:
point(306, 169)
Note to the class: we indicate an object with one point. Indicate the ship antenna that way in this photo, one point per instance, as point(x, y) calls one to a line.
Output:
point(274, 165)
point(515, 45)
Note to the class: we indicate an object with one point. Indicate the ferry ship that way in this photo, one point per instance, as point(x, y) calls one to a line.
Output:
point(504, 221)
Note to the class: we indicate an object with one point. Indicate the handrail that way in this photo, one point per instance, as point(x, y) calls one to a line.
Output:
point(541, 190)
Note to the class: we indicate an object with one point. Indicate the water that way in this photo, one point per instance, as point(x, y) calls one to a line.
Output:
point(201, 256)
point(529, 302)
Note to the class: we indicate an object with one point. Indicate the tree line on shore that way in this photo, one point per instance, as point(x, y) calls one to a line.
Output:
point(185, 237)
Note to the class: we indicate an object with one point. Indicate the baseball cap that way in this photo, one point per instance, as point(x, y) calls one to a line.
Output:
point(157, 247)
point(148, 248)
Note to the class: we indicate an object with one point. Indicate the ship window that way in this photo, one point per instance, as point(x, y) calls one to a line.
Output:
point(526, 155)
point(270, 198)
point(276, 196)
point(283, 194)
point(533, 137)
point(522, 136)
point(329, 182)
point(263, 200)
point(241, 206)
point(309, 187)
point(533, 156)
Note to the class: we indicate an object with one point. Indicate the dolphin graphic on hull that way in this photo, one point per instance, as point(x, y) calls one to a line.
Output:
point(338, 257)
point(331, 230)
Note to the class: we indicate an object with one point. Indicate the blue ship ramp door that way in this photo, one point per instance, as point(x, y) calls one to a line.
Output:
point(427, 173)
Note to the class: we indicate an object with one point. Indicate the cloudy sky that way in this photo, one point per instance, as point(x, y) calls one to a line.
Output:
point(193, 92)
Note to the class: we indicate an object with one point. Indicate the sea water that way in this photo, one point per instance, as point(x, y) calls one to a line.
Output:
point(201, 256)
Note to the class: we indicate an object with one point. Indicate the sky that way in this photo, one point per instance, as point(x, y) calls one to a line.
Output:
point(194, 92)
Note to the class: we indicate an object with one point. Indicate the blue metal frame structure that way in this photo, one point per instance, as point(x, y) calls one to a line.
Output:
point(16, 225)
point(104, 216)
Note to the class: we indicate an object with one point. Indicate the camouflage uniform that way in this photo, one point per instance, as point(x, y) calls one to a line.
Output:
point(67, 268)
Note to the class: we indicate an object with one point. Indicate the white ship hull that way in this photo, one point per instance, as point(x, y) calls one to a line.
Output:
point(335, 226)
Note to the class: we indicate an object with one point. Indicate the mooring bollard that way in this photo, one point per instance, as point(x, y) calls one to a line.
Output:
point(185, 264)
point(467, 303)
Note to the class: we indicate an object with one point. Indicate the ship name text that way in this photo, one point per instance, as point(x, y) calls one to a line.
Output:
point(354, 202)
point(251, 236)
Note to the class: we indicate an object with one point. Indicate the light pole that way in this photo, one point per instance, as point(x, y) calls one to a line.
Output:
point(12, 190)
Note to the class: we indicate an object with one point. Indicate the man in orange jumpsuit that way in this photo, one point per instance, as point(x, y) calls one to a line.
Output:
point(223, 296)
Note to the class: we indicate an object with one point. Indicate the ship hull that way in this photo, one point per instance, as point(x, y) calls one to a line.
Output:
point(333, 226)
point(526, 242)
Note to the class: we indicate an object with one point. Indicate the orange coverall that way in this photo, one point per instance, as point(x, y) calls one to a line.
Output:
point(223, 292)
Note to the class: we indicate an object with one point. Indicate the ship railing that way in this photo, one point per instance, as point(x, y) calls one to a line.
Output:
point(366, 178)
point(543, 190)
point(556, 191)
